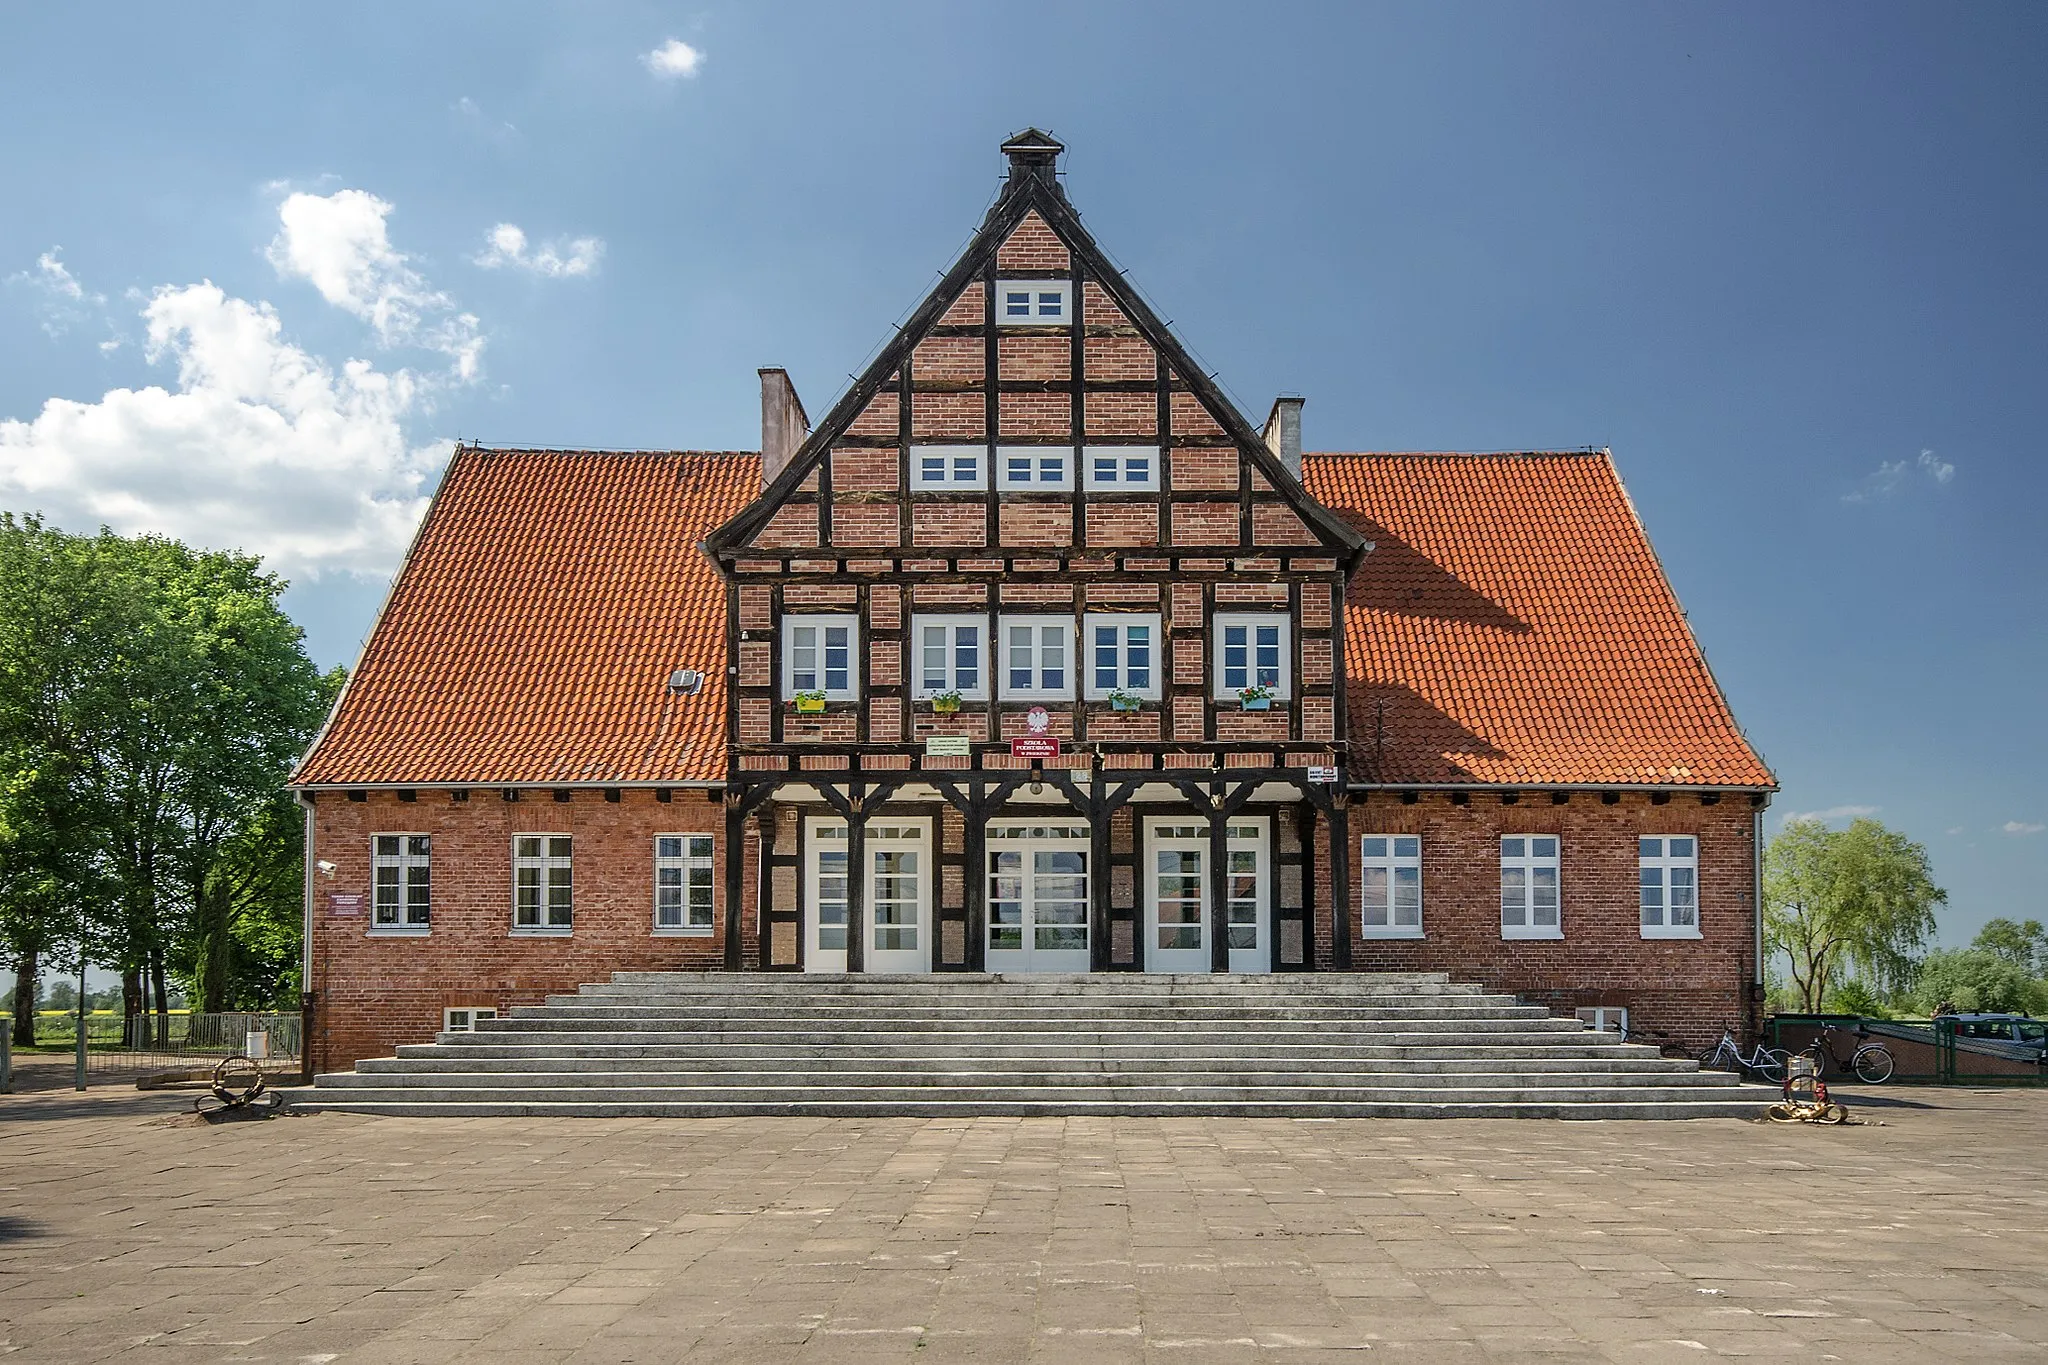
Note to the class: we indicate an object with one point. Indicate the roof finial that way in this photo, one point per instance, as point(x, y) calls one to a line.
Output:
point(1034, 154)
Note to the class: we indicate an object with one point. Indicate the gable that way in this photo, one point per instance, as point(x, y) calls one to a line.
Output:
point(1057, 409)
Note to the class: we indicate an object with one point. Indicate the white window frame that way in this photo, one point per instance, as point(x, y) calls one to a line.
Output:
point(1606, 1018)
point(470, 1014)
point(1664, 863)
point(1530, 863)
point(1391, 862)
point(951, 482)
point(683, 863)
point(952, 625)
point(411, 866)
point(1035, 316)
point(546, 861)
point(1121, 621)
point(1218, 625)
point(790, 626)
point(1037, 483)
point(1122, 483)
point(1037, 692)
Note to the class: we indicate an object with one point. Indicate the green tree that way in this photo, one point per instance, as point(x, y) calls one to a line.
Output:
point(2025, 946)
point(1853, 902)
point(1976, 980)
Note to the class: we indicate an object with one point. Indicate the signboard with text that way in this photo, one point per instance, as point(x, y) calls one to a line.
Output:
point(344, 903)
point(1035, 746)
point(1322, 774)
point(947, 746)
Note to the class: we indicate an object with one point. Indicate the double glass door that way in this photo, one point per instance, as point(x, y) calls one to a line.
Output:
point(1037, 897)
point(1177, 897)
point(898, 890)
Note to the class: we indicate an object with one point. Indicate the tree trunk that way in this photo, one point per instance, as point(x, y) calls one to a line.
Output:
point(25, 969)
point(163, 998)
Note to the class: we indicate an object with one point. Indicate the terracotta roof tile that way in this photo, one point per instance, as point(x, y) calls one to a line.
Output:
point(530, 636)
point(1514, 626)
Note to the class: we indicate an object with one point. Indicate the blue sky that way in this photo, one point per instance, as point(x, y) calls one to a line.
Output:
point(1786, 262)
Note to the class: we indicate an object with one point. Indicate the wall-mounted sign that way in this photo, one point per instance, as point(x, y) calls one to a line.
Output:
point(1322, 774)
point(1038, 718)
point(1035, 746)
point(344, 902)
point(947, 746)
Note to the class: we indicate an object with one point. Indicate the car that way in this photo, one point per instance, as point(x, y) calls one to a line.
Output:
point(2004, 1028)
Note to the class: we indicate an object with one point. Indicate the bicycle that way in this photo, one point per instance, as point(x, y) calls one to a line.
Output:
point(1872, 1062)
point(1766, 1064)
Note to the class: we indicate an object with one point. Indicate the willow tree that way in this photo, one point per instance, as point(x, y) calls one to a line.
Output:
point(1857, 902)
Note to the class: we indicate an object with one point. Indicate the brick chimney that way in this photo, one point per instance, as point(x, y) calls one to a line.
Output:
point(1034, 155)
point(1283, 432)
point(784, 426)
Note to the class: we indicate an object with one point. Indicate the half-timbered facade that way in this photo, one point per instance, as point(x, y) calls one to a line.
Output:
point(1033, 654)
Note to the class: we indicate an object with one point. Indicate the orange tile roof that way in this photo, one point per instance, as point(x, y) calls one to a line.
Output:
point(530, 636)
point(1514, 626)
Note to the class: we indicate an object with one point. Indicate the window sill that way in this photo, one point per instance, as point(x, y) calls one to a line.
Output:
point(1673, 933)
point(399, 931)
point(1369, 932)
point(683, 933)
point(522, 931)
point(1508, 935)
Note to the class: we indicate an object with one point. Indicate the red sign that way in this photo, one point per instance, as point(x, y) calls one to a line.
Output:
point(1035, 746)
point(344, 902)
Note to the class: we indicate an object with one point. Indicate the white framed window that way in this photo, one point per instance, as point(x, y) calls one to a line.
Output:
point(938, 469)
point(1528, 887)
point(463, 1018)
point(1606, 1018)
point(950, 655)
point(1034, 303)
point(1669, 873)
point(401, 877)
point(1121, 653)
point(1251, 648)
point(682, 883)
point(541, 885)
point(819, 654)
point(1035, 469)
point(1121, 469)
point(1038, 658)
point(1390, 876)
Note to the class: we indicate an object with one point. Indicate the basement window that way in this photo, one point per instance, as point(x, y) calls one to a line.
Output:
point(1606, 1018)
point(1528, 887)
point(948, 469)
point(682, 884)
point(401, 869)
point(541, 888)
point(1122, 469)
point(818, 654)
point(1034, 303)
point(1390, 875)
point(1668, 871)
point(1036, 469)
point(462, 1018)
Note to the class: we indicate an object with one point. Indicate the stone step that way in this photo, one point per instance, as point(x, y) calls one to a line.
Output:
point(571, 1007)
point(1001, 1046)
point(424, 1058)
point(991, 1082)
point(812, 983)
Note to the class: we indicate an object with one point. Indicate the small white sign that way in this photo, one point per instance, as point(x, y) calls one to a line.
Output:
point(947, 746)
point(1322, 774)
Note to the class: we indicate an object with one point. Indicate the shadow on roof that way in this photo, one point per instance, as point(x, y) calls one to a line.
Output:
point(1398, 578)
point(1397, 735)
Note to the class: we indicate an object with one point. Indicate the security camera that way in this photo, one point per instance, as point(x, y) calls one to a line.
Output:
point(326, 868)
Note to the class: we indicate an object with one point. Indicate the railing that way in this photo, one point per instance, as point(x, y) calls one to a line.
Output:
point(180, 1040)
point(1926, 1054)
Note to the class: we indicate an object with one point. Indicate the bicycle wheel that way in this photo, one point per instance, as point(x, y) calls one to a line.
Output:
point(1782, 1113)
point(1715, 1059)
point(1835, 1113)
point(1873, 1065)
point(1770, 1065)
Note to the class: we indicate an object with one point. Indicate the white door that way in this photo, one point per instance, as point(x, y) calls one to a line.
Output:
point(1177, 897)
point(898, 890)
point(1038, 897)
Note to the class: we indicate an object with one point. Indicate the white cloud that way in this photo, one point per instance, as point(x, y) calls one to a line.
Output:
point(506, 246)
point(1891, 475)
point(673, 60)
point(339, 244)
point(256, 445)
point(1832, 813)
point(2022, 828)
point(63, 302)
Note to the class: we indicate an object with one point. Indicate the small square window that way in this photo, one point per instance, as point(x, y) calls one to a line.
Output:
point(948, 469)
point(1122, 469)
point(819, 654)
point(1034, 303)
point(1036, 469)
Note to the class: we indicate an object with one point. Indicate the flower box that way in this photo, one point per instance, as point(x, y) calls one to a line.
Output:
point(1255, 703)
point(809, 703)
point(1121, 701)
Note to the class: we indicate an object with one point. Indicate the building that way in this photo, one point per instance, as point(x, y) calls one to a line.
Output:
point(1034, 654)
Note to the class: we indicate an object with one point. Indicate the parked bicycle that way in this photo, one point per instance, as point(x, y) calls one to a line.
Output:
point(1766, 1064)
point(1871, 1061)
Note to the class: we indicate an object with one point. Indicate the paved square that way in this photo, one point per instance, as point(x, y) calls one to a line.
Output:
point(130, 1233)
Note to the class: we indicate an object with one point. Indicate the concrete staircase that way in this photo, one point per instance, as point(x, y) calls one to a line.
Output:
point(1408, 1045)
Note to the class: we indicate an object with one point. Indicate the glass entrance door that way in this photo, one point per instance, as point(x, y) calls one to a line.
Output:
point(1177, 897)
point(1037, 897)
point(898, 892)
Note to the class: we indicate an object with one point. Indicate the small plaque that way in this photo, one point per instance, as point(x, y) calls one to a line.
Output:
point(1322, 774)
point(344, 903)
point(1038, 718)
point(947, 746)
point(1035, 746)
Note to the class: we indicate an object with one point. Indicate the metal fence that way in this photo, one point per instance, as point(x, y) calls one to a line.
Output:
point(1923, 1054)
point(180, 1040)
